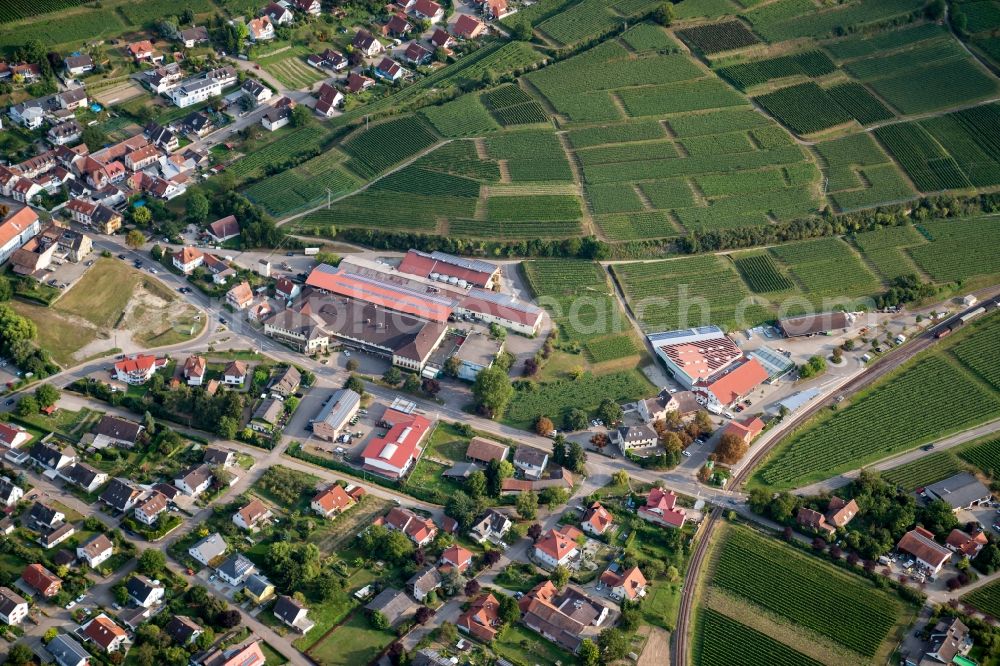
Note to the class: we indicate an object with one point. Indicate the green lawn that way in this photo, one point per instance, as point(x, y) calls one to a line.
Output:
point(326, 615)
point(519, 577)
point(271, 656)
point(354, 642)
point(447, 443)
point(661, 604)
point(523, 646)
point(65, 422)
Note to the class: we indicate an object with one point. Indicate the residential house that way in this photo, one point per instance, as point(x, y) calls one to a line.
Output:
point(389, 70)
point(13, 436)
point(416, 54)
point(252, 515)
point(277, 116)
point(78, 64)
point(814, 520)
point(481, 619)
point(64, 132)
point(455, 557)
point(42, 580)
point(142, 50)
point(134, 616)
point(50, 457)
point(396, 26)
point(358, 82)
point(197, 123)
point(494, 9)
point(202, 86)
point(261, 29)
point(138, 369)
point(96, 551)
point(144, 591)
point(279, 14)
point(630, 585)
point(286, 289)
point(661, 508)
point(492, 527)
point(194, 371)
point(215, 455)
point(148, 511)
point(189, 37)
point(597, 520)
point(286, 383)
point(920, 543)
point(256, 91)
point(746, 430)
point(293, 614)
point(267, 416)
point(208, 549)
point(441, 39)
point(560, 616)
point(950, 643)
point(258, 588)
point(182, 630)
point(331, 501)
point(311, 7)
point(163, 79)
point(839, 512)
point(240, 296)
point(220, 270)
point(967, 545)
point(236, 569)
point(394, 604)
point(245, 654)
point(103, 631)
point(13, 607)
point(328, 99)
point(195, 481)
point(121, 495)
point(54, 537)
point(467, 27)
point(555, 549)
point(10, 492)
point(336, 414)
point(116, 431)
point(367, 44)
point(420, 530)
point(428, 10)
point(531, 461)
point(235, 373)
point(85, 476)
point(627, 438)
point(67, 652)
point(484, 450)
point(423, 582)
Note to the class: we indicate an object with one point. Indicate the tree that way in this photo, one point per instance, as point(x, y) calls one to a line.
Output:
point(431, 386)
point(423, 614)
point(47, 394)
point(491, 557)
point(553, 496)
point(938, 517)
point(142, 216)
point(813, 367)
point(300, 116)
point(27, 406)
point(228, 619)
point(227, 427)
point(576, 458)
point(152, 562)
point(50, 635)
point(355, 384)
point(94, 137)
point(522, 31)
point(560, 576)
point(589, 653)
point(120, 593)
point(620, 477)
point(451, 367)
point(492, 391)
point(392, 376)
point(960, 21)
point(197, 207)
point(6, 290)
point(527, 505)
point(411, 383)
point(609, 411)
point(379, 620)
point(476, 483)
point(135, 239)
point(731, 449)
point(20, 655)
point(664, 14)
point(472, 588)
point(575, 419)
point(600, 440)
point(614, 644)
point(544, 425)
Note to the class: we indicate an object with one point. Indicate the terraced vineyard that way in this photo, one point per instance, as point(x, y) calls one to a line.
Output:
point(761, 274)
point(844, 608)
point(924, 401)
point(827, 266)
point(804, 108)
point(749, 74)
point(464, 116)
point(299, 141)
point(512, 106)
point(718, 37)
point(883, 249)
point(383, 145)
point(959, 249)
point(14, 10)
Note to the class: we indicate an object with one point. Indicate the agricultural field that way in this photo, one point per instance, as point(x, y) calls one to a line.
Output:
point(721, 641)
point(298, 141)
point(553, 398)
point(381, 146)
point(860, 174)
point(959, 249)
point(308, 184)
point(681, 293)
point(15, 10)
point(985, 456)
point(804, 108)
point(985, 599)
point(718, 37)
point(512, 106)
point(465, 116)
point(925, 400)
point(926, 470)
point(87, 24)
point(746, 75)
point(883, 250)
point(149, 11)
point(761, 274)
point(827, 266)
point(647, 37)
point(861, 45)
point(758, 575)
point(981, 352)
point(589, 18)
point(792, 19)
point(531, 156)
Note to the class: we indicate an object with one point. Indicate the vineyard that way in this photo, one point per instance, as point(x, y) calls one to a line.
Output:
point(460, 158)
point(959, 249)
point(418, 180)
point(924, 401)
point(864, 45)
point(381, 146)
point(804, 108)
point(553, 398)
point(883, 250)
point(792, 19)
point(648, 37)
point(147, 11)
point(643, 130)
point(297, 142)
point(718, 37)
point(843, 607)
point(291, 70)
point(926, 470)
point(985, 456)
point(464, 116)
point(749, 74)
point(985, 599)
point(722, 641)
point(15, 10)
point(89, 24)
point(761, 274)
point(634, 226)
point(297, 188)
point(514, 230)
point(531, 156)
point(859, 103)
point(613, 198)
point(935, 87)
point(827, 266)
point(537, 207)
point(512, 106)
point(981, 352)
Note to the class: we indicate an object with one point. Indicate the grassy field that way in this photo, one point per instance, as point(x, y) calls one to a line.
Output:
point(523, 646)
point(353, 642)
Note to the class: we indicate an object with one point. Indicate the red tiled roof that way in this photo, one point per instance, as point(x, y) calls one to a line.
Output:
point(702, 358)
point(632, 581)
point(966, 544)
point(920, 543)
point(426, 7)
point(458, 556)
point(738, 382)
point(103, 631)
point(400, 443)
point(481, 617)
point(333, 498)
point(188, 254)
point(348, 284)
point(16, 224)
point(598, 517)
point(422, 264)
point(467, 26)
point(747, 430)
point(140, 363)
point(556, 545)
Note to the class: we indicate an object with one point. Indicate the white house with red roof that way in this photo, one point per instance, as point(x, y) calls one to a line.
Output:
point(919, 543)
point(142, 50)
point(428, 10)
point(240, 296)
point(455, 557)
point(661, 508)
point(103, 631)
point(394, 454)
point(389, 70)
point(467, 27)
point(261, 29)
point(746, 430)
point(331, 501)
point(188, 258)
point(597, 520)
point(13, 436)
point(16, 230)
point(138, 369)
point(630, 584)
point(223, 229)
point(420, 530)
point(287, 289)
point(555, 549)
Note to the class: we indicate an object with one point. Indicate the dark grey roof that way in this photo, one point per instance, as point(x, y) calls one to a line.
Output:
point(636, 433)
point(133, 617)
point(83, 474)
point(41, 515)
point(181, 628)
point(424, 581)
point(462, 470)
point(119, 494)
point(959, 491)
point(286, 609)
point(256, 584)
point(527, 455)
point(140, 587)
point(215, 455)
point(268, 411)
point(288, 381)
point(45, 454)
point(66, 651)
point(392, 603)
point(6, 488)
point(9, 600)
point(337, 407)
point(117, 428)
point(236, 566)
